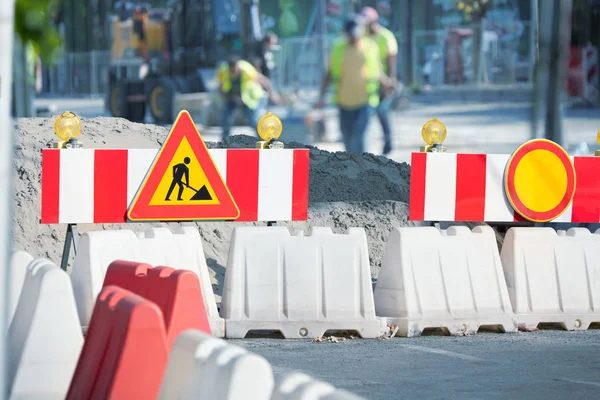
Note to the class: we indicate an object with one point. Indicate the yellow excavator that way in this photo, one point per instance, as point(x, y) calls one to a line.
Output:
point(159, 52)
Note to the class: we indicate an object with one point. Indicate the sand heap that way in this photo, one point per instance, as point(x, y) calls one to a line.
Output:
point(346, 190)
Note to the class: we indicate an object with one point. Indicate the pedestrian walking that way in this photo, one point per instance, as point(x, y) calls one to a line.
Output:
point(356, 73)
point(241, 85)
point(388, 52)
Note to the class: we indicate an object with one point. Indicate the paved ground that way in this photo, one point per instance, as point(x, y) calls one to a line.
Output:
point(491, 127)
point(549, 364)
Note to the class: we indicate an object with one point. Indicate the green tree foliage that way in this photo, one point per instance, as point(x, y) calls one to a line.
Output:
point(34, 24)
point(474, 10)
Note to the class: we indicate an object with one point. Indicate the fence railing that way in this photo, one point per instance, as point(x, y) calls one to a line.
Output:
point(78, 74)
point(437, 59)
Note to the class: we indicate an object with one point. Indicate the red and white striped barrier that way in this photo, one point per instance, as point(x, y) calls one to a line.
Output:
point(470, 187)
point(582, 81)
point(97, 185)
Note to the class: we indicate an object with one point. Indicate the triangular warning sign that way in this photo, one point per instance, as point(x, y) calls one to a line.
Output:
point(183, 183)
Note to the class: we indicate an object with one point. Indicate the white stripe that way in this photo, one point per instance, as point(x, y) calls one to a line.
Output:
point(440, 187)
point(138, 164)
point(442, 352)
point(568, 214)
point(219, 156)
point(76, 193)
point(275, 172)
point(497, 206)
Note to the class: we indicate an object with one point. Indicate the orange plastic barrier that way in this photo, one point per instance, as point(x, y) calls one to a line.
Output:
point(176, 292)
point(125, 351)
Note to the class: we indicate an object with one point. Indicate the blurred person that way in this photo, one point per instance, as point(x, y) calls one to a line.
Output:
point(388, 51)
point(355, 69)
point(265, 60)
point(241, 85)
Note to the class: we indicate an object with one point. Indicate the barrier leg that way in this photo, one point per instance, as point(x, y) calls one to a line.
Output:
point(72, 236)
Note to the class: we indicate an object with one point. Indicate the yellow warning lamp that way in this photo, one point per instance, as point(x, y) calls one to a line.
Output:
point(434, 133)
point(598, 140)
point(269, 129)
point(67, 127)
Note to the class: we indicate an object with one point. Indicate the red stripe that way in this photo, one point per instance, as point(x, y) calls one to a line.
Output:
point(586, 202)
point(50, 185)
point(470, 187)
point(110, 186)
point(242, 181)
point(300, 185)
point(418, 172)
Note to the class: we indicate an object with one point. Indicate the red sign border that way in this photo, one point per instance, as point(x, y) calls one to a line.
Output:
point(510, 189)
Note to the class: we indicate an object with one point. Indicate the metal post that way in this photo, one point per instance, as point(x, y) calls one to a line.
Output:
point(534, 73)
point(7, 8)
point(94, 78)
point(322, 32)
point(558, 56)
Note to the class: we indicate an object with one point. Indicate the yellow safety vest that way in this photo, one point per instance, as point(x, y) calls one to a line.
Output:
point(373, 65)
point(30, 60)
point(251, 91)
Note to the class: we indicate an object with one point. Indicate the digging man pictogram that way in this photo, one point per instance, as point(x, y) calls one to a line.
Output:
point(180, 171)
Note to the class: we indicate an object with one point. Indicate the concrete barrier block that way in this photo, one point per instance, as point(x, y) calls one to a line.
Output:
point(176, 292)
point(19, 261)
point(299, 285)
point(125, 351)
point(44, 337)
point(180, 249)
point(451, 279)
point(201, 366)
point(95, 253)
point(553, 276)
point(300, 386)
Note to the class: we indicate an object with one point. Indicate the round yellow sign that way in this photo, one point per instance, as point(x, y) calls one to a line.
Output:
point(540, 180)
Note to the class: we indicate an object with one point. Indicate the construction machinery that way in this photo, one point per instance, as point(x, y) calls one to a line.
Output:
point(157, 53)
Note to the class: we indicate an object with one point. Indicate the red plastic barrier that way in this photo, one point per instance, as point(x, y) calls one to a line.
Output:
point(176, 292)
point(125, 351)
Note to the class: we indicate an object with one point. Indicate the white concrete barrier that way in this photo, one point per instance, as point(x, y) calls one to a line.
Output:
point(299, 285)
point(201, 366)
point(44, 338)
point(18, 270)
point(181, 249)
point(451, 279)
point(553, 276)
point(299, 386)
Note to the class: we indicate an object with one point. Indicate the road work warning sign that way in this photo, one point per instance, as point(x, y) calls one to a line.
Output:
point(183, 183)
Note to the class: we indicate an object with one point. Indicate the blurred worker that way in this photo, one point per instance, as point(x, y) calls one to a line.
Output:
point(241, 85)
point(265, 61)
point(140, 30)
point(388, 51)
point(355, 69)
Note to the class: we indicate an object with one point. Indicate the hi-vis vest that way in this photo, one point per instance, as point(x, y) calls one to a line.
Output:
point(251, 91)
point(373, 68)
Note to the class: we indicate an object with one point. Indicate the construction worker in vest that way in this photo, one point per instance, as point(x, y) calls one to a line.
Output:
point(241, 85)
point(355, 69)
point(388, 51)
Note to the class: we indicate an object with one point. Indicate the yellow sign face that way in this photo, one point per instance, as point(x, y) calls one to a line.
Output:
point(541, 180)
point(184, 182)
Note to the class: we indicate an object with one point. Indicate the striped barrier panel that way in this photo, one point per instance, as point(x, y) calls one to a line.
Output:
point(98, 185)
point(471, 187)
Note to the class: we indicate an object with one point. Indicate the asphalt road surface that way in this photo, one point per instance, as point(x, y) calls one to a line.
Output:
point(549, 364)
